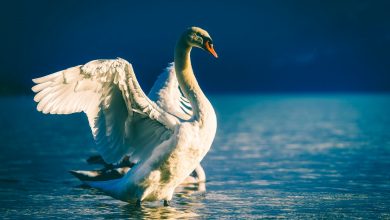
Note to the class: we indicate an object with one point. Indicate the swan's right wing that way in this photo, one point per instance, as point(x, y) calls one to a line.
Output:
point(167, 94)
point(124, 121)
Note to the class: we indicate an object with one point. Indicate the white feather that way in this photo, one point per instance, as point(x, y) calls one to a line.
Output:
point(100, 89)
point(166, 93)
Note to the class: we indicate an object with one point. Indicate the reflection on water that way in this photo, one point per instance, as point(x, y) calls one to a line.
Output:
point(273, 157)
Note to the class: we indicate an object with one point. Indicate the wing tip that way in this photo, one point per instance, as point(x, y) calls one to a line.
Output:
point(40, 79)
point(35, 88)
point(46, 78)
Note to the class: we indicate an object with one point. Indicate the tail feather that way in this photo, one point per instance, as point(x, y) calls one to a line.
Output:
point(111, 182)
point(99, 175)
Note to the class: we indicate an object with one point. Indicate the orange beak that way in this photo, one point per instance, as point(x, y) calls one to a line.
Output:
point(209, 48)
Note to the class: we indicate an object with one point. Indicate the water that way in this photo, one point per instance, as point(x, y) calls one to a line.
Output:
point(274, 156)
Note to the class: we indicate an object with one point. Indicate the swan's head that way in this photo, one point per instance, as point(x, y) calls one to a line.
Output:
point(197, 37)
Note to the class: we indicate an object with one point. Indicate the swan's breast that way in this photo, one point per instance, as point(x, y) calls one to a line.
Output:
point(176, 165)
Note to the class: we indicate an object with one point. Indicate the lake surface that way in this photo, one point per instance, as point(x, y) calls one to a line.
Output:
point(274, 156)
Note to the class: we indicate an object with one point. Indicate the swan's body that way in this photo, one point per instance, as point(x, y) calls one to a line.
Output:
point(166, 138)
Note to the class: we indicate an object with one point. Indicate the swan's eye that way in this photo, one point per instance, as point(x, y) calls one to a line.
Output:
point(198, 39)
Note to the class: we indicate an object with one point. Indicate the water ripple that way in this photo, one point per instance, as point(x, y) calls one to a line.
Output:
point(288, 157)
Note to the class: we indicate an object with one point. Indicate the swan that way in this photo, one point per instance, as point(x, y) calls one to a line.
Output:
point(165, 134)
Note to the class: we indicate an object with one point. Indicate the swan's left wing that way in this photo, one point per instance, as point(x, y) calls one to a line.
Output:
point(124, 121)
point(167, 94)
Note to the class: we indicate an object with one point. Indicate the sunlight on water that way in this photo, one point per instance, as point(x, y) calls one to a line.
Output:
point(273, 157)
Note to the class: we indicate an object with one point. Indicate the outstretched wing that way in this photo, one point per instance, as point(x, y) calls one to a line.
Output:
point(167, 94)
point(124, 121)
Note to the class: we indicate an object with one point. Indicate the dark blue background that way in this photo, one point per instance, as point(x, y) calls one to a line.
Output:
point(264, 46)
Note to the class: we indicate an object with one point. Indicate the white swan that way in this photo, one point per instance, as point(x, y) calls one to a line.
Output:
point(166, 139)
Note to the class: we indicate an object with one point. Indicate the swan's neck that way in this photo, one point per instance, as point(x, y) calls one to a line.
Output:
point(188, 83)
